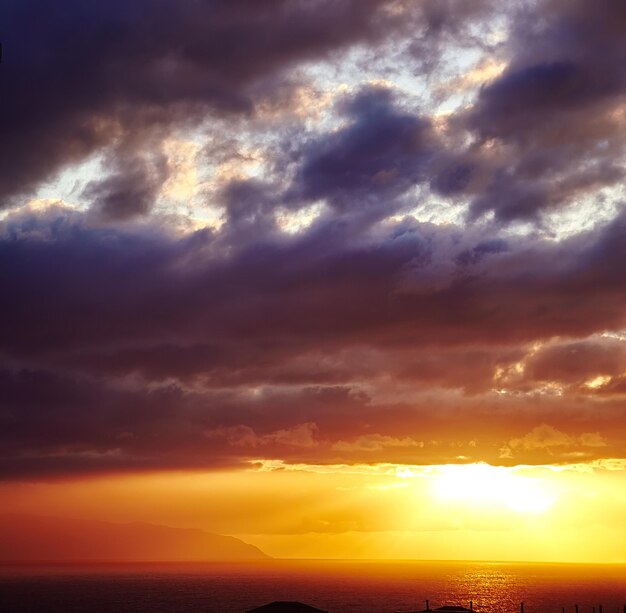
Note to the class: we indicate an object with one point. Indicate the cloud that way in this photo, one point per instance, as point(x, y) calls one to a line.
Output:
point(319, 288)
point(376, 442)
point(107, 71)
point(579, 362)
point(300, 435)
point(355, 302)
point(130, 190)
point(553, 114)
point(381, 153)
point(139, 341)
point(547, 438)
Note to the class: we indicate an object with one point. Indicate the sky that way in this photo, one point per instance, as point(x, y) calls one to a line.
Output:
point(344, 278)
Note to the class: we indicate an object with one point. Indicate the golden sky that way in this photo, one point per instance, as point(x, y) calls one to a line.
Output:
point(345, 278)
point(476, 512)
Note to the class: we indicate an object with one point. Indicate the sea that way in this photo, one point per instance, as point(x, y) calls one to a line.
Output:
point(333, 586)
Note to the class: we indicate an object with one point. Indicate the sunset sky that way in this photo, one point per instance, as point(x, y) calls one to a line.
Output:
point(343, 278)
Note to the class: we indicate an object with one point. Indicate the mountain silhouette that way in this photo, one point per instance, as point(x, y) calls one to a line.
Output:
point(35, 538)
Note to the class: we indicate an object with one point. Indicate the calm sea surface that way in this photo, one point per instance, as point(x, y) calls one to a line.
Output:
point(337, 587)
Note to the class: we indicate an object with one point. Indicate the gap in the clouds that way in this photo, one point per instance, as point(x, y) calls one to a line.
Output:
point(294, 222)
point(68, 184)
point(585, 213)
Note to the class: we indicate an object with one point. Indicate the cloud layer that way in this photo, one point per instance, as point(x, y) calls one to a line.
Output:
point(444, 296)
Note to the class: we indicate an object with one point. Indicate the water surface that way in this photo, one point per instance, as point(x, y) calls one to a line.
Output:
point(337, 587)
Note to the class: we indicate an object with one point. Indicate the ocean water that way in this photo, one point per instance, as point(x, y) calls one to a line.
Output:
point(337, 587)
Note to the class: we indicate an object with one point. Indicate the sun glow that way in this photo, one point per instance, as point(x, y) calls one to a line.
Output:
point(569, 512)
point(493, 485)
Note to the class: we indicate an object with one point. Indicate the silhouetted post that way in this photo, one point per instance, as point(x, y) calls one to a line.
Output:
point(522, 607)
point(563, 609)
point(427, 606)
point(600, 608)
point(577, 608)
point(471, 606)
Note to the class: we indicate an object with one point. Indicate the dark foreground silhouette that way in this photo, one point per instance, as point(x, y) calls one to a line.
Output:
point(286, 607)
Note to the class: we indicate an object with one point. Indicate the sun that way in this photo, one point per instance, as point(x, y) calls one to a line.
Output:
point(482, 484)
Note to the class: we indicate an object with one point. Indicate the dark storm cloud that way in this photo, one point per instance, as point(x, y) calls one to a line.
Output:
point(86, 74)
point(593, 366)
point(550, 125)
point(365, 336)
point(54, 425)
point(481, 251)
point(381, 153)
point(450, 16)
point(361, 171)
point(80, 286)
point(448, 21)
point(304, 321)
point(578, 362)
point(130, 189)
